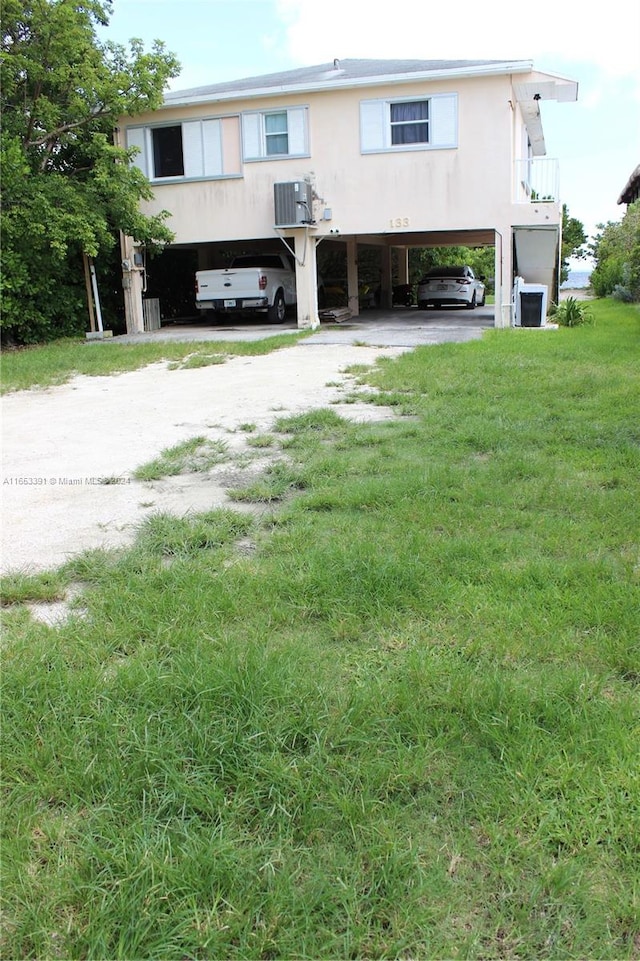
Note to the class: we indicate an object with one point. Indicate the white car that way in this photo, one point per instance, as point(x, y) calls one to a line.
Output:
point(450, 285)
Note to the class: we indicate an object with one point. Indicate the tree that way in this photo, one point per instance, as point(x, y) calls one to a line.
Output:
point(480, 259)
point(574, 240)
point(616, 250)
point(67, 189)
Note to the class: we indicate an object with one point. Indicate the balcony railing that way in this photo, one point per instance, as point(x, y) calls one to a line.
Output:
point(537, 180)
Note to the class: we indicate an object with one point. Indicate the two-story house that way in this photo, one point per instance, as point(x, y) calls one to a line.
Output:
point(388, 153)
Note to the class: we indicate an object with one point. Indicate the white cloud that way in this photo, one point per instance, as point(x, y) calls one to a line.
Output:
point(468, 30)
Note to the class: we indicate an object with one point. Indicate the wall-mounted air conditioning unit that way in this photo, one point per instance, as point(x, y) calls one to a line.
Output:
point(293, 203)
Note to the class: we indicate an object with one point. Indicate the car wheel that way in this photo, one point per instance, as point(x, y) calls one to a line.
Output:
point(277, 312)
point(472, 304)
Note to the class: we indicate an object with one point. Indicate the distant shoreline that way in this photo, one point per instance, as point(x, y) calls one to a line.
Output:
point(577, 280)
point(578, 293)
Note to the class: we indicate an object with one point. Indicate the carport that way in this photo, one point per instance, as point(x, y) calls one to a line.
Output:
point(170, 281)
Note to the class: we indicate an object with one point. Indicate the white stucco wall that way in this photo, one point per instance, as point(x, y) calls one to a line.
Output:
point(464, 187)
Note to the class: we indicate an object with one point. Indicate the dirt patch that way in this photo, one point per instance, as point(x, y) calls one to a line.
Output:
point(53, 613)
point(69, 452)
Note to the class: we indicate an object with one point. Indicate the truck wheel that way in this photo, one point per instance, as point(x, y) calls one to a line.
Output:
point(277, 312)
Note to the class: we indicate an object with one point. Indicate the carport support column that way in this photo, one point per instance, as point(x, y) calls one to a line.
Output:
point(503, 276)
point(306, 279)
point(132, 286)
point(403, 265)
point(352, 277)
point(386, 292)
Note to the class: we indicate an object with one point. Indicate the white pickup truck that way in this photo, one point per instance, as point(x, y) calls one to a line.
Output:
point(255, 282)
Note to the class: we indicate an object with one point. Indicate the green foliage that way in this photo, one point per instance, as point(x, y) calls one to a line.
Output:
point(45, 365)
point(480, 259)
point(67, 189)
point(198, 360)
point(572, 313)
point(398, 719)
point(195, 455)
point(616, 250)
point(164, 535)
point(16, 588)
point(574, 240)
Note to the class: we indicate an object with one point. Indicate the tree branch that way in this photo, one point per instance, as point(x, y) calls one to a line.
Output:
point(67, 127)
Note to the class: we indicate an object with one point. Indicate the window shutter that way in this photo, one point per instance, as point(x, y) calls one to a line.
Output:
point(251, 136)
point(192, 149)
point(137, 137)
point(212, 144)
point(444, 120)
point(297, 130)
point(374, 119)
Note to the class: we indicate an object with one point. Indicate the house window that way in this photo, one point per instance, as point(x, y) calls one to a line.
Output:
point(192, 149)
point(168, 159)
point(409, 122)
point(419, 124)
point(276, 133)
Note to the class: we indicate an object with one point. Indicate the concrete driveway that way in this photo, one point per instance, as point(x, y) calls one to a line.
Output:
point(399, 327)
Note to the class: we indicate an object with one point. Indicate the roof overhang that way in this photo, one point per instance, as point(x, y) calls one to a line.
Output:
point(338, 80)
point(529, 94)
point(631, 190)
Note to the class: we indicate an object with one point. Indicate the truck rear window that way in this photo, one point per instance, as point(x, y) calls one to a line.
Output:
point(257, 262)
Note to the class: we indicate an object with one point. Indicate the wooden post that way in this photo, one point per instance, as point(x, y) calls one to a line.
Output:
point(87, 281)
point(96, 295)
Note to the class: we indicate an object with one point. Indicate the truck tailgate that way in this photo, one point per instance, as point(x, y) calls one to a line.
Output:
point(227, 284)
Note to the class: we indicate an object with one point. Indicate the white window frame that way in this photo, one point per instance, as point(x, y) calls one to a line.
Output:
point(399, 124)
point(255, 136)
point(376, 124)
point(271, 135)
point(202, 150)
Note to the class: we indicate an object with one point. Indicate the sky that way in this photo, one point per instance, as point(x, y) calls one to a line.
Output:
point(596, 139)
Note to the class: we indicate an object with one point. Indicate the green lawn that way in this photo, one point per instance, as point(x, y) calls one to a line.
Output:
point(56, 363)
point(398, 716)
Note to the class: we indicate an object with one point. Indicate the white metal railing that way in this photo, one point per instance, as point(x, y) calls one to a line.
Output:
point(537, 179)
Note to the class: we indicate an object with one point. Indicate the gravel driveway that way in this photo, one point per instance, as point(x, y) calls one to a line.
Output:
point(69, 451)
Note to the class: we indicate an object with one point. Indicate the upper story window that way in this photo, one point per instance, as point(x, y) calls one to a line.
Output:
point(417, 124)
point(189, 150)
point(168, 156)
point(276, 134)
point(409, 122)
point(271, 134)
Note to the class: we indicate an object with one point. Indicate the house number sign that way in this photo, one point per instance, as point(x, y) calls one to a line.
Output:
point(399, 222)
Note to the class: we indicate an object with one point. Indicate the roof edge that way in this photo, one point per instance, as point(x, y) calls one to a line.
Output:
point(187, 98)
point(631, 190)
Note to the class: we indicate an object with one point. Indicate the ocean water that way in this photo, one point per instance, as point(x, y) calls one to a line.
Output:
point(577, 280)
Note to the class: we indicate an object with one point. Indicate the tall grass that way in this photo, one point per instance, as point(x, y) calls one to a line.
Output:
point(56, 363)
point(195, 455)
point(398, 718)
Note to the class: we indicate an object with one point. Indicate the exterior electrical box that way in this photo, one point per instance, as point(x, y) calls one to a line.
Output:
point(293, 203)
